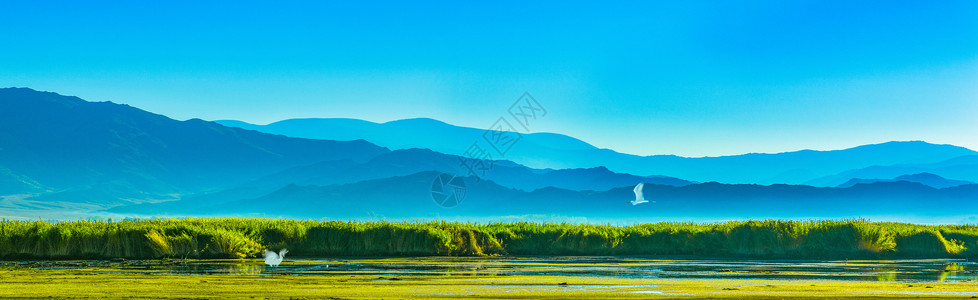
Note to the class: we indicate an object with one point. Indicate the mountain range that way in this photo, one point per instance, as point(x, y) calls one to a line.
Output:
point(60, 148)
point(548, 150)
point(407, 197)
point(927, 179)
point(64, 154)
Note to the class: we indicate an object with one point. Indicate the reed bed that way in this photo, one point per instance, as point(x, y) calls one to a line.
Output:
point(248, 237)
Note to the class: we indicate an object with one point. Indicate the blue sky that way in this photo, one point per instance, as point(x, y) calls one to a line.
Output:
point(692, 78)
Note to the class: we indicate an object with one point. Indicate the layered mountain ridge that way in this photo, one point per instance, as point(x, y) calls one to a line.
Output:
point(61, 153)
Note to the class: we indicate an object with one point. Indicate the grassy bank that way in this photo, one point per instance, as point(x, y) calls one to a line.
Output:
point(247, 237)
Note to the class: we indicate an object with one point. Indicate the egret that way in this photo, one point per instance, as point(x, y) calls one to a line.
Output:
point(639, 199)
point(274, 259)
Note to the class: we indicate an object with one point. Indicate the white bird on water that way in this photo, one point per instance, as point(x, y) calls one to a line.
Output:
point(273, 259)
point(639, 199)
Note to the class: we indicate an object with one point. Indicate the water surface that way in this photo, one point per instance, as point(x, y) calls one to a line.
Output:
point(623, 267)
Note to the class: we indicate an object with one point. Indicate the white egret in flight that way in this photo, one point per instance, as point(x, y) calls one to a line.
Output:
point(639, 199)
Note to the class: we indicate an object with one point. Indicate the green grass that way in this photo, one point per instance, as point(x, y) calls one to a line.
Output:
point(247, 237)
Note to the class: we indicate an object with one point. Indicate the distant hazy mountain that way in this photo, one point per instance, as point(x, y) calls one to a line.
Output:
point(403, 134)
point(927, 179)
point(59, 152)
point(411, 161)
point(959, 168)
point(409, 197)
point(60, 148)
point(546, 150)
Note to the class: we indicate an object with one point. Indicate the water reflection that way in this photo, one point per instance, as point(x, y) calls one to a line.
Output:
point(954, 271)
point(887, 274)
point(624, 267)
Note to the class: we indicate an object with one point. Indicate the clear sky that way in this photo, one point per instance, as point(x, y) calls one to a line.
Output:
point(691, 78)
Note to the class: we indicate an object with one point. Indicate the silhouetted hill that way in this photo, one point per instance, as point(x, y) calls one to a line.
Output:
point(927, 179)
point(403, 134)
point(56, 149)
point(409, 197)
point(411, 161)
point(547, 150)
point(960, 168)
point(62, 148)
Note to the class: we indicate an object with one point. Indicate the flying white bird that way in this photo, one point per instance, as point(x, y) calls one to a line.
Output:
point(639, 199)
point(273, 259)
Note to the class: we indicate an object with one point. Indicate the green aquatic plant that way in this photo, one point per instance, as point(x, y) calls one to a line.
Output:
point(248, 237)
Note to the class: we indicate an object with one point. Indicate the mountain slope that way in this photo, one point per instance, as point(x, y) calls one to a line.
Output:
point(66, 149)
point(927, 179)
point(402, 134)
point(406, 162)
point(959, 168)
point(408, 197)
point(545, 150)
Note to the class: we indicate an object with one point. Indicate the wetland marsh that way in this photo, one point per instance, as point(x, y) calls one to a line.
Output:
point(489, 277)
point(217, 258)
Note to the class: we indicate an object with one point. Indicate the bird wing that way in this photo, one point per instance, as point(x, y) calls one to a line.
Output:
point(638, 191)
point(269, 255)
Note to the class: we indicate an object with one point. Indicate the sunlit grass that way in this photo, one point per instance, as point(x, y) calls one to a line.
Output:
point(247, 237)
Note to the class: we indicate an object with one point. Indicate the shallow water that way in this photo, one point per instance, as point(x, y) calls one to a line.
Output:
point(623, 267)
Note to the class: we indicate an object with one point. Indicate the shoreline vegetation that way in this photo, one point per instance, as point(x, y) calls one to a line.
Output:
point(248, 237)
